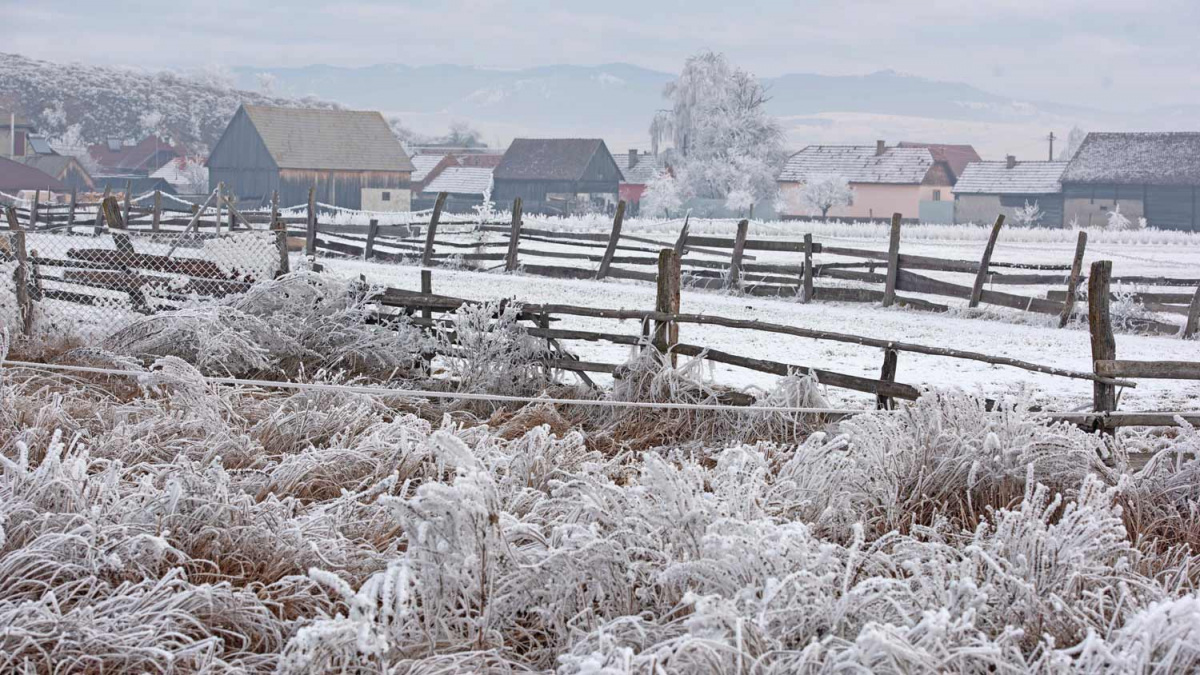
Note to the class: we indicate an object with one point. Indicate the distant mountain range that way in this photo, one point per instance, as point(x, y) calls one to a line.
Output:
point(617, 101)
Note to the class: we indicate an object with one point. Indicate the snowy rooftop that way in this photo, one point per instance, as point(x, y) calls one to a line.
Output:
point(461, 180)
point(309, 138)
point(423, 164)
point(859, 164)
point(1169, 158)
point(183, 172)
point(1025, 178)
point(642, 172)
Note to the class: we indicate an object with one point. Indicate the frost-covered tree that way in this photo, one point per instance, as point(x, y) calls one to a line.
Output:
point(1118, 220)
point(1074, 140)
point(822, 193)
point(663, 196)
point(266, 83)
point(723, 139)
point(1028, 215)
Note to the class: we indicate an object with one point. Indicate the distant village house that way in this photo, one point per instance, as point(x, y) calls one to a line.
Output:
point(637, 170)
point(886, 180)
point(1155, 176)
point(557, 176)
point(987, 189)
point(350, 157)
point(117, 157)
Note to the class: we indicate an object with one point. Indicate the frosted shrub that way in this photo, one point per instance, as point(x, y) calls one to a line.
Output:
point(489, 351)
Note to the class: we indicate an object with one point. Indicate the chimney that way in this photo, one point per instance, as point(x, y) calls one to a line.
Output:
point(880, 148)
point(1011, 161)
point(633, 158)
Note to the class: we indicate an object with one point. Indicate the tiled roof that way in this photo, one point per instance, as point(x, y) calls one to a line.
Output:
point(547, 158)
point(337, 140)
point(957, 157)
point(146, 155)
point(1026, 178)
point(642, 172)
point(859, 164)
point(15, 176)
point(423, 164)
point(1169, 158)
point(461, 180)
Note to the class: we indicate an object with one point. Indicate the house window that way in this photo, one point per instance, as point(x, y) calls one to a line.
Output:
point(937, 195)
point(387, 196)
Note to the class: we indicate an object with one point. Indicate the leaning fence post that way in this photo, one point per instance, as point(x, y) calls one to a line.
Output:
point(681, 242)
point(666, 333)
point(427, 289)
point(33, 209)
point(281, 244)
point(372, 232)
point(71, 209)
point(1104, 345)
point(514, 238)
point(985, 263)
point(893, 271)
point(24, 300)
point(310, 235)
point(125, 205)
point(808, 269)
point(1073, 280)
point(739, 249)
point(427, 258)
point(1193, 320)
point(888, 375)
point(613, 238)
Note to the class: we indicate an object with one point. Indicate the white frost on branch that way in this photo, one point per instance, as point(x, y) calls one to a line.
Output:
point(824, 192)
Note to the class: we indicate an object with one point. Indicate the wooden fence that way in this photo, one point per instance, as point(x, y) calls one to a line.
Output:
point(659, 330)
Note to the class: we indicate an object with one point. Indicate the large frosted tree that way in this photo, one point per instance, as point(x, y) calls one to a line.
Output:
point(725, 144)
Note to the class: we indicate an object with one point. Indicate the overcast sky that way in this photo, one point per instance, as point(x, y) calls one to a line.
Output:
point(1105, 53)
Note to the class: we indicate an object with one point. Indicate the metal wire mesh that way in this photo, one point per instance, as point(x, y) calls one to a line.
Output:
point(102, 276)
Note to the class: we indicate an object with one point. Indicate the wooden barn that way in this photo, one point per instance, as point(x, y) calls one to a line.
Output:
point(986, 189)
point(1155, 176)
point(65, 168)
point(351, 158)
point(557, 175)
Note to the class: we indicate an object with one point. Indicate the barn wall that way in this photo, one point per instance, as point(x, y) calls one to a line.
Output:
point(1090, 204)
point(338, 188)
point(241, 161)
point(533, 193)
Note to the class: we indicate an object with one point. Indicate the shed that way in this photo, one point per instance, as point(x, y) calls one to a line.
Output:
point(557, 175)
point(465, 187)
point(986, 189)
point(351, 157)
point(1150, 175)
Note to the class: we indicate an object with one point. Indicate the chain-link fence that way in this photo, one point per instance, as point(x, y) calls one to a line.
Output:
point(99, 277)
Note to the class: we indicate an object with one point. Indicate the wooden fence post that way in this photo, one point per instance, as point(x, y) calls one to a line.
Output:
point(739, 249)
point(681, 242)
point(1104, 345)
point(274, 206)
point(514, 238)
point(985, 262)
point(33, 209)
point(427, 258)
point(282, 245)
point(71, 208)
point(1193, 320)
point(99, 222)
point(1073, 280)
point(231, 216)
point(426, 289)
point(126, 205)
point(372, 232)
point(220, 203)
point(613, 238)
point(893, 271)
point(888, 374)
point(666, 333)
point(808, 269)
point(156, 217)
point(24, 300)
point(310, 235)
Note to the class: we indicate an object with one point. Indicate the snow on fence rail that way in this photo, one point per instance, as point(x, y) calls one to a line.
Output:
point(659, 331)
point(99, 275)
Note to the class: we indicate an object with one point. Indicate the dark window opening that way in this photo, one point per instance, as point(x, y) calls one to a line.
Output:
point(387, 196)
point(937, 195)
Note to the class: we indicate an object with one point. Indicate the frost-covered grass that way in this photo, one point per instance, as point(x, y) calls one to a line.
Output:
point(165, 524)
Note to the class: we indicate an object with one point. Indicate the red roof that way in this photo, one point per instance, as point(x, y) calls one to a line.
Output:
point(956, 157)
point(15, 176)
point(148, 155)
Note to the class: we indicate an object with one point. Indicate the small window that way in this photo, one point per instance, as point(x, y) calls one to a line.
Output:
point(937, 195)
point(387, 196)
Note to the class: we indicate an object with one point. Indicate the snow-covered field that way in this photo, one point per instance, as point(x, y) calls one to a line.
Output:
point(165, 524)
point(995, 331)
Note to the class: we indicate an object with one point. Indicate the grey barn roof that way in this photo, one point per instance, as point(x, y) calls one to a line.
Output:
point(547, 158)
point(338, 140)
point(859, 164)
point(1168, 158)
point(1026, 178)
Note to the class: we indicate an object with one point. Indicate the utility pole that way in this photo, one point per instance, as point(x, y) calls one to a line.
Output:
point(1051, 137)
